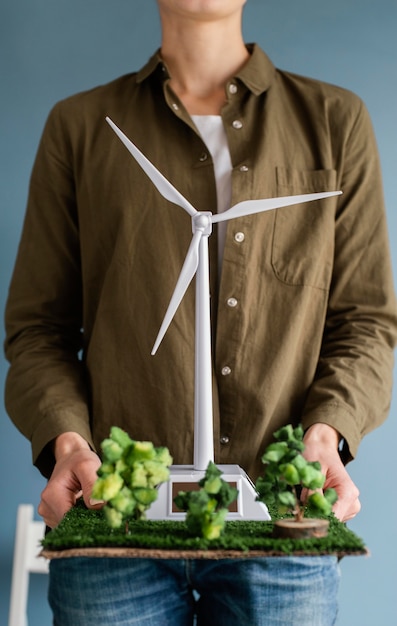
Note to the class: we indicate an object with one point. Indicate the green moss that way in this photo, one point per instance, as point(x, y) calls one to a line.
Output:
point(82, 528)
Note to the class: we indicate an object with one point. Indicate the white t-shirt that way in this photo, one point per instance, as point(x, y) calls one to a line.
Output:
point(213, 134)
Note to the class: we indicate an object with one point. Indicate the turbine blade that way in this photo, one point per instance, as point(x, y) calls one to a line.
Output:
point(249, 207)
point(159, 181)
point(185, 278)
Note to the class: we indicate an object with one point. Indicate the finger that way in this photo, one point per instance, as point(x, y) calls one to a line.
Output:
point(71, 477)
point(54, 504)
point(346, 510)
point(348, 503)
point(346, 507)
point(86, 473)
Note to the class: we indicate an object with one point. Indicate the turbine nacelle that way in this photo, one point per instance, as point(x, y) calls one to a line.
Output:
point(202, 222)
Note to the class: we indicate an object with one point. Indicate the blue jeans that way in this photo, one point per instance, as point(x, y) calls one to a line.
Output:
point(285, 591)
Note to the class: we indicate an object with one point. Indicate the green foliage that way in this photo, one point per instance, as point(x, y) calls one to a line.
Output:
point(207, 508)
point(286, 469)
point(128, 477)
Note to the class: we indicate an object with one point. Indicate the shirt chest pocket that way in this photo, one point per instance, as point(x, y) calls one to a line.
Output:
point(303, 235)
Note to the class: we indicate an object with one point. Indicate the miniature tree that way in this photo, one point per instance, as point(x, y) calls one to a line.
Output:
point(287, 471)
point(128, 477)
point(207, 508)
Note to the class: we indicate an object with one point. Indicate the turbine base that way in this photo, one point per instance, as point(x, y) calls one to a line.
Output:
point(185, 478)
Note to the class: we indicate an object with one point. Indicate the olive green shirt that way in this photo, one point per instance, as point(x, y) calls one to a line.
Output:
point(303, 314)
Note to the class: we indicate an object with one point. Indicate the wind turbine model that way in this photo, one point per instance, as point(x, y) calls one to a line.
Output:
point(196, 262)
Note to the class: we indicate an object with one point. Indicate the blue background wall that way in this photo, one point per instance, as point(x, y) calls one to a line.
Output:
point(49, 50)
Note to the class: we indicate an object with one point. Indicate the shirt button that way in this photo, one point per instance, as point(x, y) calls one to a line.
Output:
point(203, 157)
point(224, 439)
point(239, 237)
point(232, 302)
point(232, 88)
point(243, 168)
point(237, 124)
point(226, 370)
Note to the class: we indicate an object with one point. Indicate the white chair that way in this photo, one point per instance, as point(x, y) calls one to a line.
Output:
point(26, 561)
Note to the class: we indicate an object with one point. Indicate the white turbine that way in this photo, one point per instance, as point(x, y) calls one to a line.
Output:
point(196, 262)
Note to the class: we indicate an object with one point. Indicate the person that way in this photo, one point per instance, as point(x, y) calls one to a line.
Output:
point(303, 309)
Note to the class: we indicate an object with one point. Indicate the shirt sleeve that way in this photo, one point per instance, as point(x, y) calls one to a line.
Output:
point(352, 386)
point(46, 387)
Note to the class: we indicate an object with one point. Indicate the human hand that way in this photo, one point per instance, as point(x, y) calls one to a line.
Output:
point(321, 444)
point(73, 476)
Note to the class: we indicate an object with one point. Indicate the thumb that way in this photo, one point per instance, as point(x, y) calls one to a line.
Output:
point(88, 476)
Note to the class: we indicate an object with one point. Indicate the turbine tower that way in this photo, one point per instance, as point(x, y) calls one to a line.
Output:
point(197, 263)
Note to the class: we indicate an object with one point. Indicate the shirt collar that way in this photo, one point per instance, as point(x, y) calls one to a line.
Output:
point(257, 74)
point(150, 67)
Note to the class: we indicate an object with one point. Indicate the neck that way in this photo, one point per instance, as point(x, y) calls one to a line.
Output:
point(202, 55)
